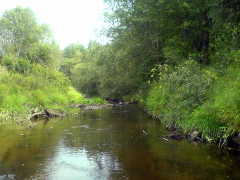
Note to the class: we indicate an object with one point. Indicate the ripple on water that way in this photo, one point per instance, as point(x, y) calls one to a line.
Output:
point(111, 144)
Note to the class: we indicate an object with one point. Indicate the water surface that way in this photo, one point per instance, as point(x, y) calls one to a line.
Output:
point(121, 143)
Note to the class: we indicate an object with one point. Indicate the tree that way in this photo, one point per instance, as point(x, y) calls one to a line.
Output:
point(74, 51)
point(22, 36)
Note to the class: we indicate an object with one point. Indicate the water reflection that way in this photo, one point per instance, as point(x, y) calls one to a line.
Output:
point(108, 145)
point(7, 177)
point(77, 164)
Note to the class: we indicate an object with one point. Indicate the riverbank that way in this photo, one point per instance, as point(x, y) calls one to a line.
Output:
point(41, 88)
point(229, 143)
point(108, 144)
point(192, 98)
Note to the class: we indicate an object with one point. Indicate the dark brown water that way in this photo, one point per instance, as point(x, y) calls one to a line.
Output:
point(110, 144)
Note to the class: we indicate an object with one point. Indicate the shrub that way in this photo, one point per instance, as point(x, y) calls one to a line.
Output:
point(177, 92)
point(85, 78)
point(13, 63)
point(221, 113)
point(40, 87)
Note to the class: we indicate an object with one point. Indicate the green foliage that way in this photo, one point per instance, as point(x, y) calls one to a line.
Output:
point(21, 92)
point(13, 63)
point(74, 51)
point(28, 67)
point(102, 71)
point(19, 30)
point(42, 87)
point(155, 38)
point(79, 66)
point(21, 36)
point(220, 114)
point(47, 54)
point(177, 92)
point(179, 58)
point(85, 78)
point(146, 33)
point(192, 98)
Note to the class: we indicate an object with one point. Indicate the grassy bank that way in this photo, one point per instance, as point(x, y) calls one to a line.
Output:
point(195, 98)
point(40, 88)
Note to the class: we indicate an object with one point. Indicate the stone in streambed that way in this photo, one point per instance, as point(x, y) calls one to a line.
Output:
point(195, 136)
point(53, 113)
point(176, 136)
point(46, 114)
point(234, 142)
point(93, 106)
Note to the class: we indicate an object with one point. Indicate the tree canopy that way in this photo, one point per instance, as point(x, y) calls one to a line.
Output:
point(23, 37)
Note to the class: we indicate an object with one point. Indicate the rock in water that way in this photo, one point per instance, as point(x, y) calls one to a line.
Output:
point(234, 142)
point(46, 114)
point(176, 136)
point(52, 113)
point(94, 106)
point(195, 136)
point(38, 115)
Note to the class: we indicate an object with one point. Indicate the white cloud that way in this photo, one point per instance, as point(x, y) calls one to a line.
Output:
point(70, 20)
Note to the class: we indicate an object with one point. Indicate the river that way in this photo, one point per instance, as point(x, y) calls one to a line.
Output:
point(120, 143)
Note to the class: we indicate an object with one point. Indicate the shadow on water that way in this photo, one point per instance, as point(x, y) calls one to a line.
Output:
point(121, 143)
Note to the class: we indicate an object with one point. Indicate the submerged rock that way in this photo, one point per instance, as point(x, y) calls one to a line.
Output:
point(176, 136)
point(234, 142)
point(53, 113)
point(92, 106)
point(113, 100)
point(46, 114)
point(38, 115)
point(144, 132)
point(195, 136)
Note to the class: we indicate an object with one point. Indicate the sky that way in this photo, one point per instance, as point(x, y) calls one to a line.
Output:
point(71, 21)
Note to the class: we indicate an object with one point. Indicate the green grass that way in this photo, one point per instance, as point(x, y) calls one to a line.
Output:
point(221, 113)
point(40, 88)
point(191, 98)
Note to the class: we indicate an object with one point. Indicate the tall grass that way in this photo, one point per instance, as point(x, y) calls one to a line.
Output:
point(221, 113)
point(177, 92)
point(192, 97)
point(41, 87)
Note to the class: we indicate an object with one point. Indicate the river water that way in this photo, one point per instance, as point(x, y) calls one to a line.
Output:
point(120, 143)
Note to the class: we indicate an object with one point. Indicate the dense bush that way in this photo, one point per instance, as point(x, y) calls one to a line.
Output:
point(85, 78)
point(194, 98)
point(219, 116)
point(19, 92)
point(100, 70)
point(13, 63)
point(41, 87)
point(177, 92)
